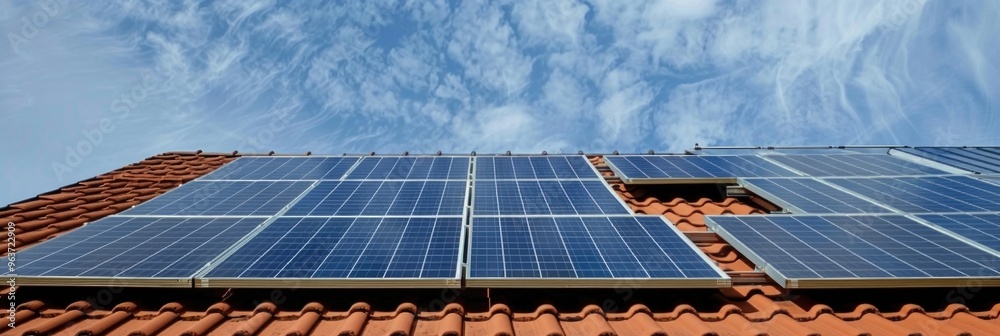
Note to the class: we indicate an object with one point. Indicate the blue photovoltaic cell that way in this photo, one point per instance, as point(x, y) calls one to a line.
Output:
point(146, 247)
point(582, 248)
point(283, 168)
point(223, 198)
point(694, 166)
point(981, 228)
point(847, 165)
point(927, 194)
point(379, 198)
point(411, 168)
point(985, 160)
point(855, 247)
point(369, 248)
point(525, 197)
point(534, 167)
point(811, 196)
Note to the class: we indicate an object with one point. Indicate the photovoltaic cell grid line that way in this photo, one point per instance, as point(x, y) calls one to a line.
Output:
point(348, 248)
point(931, 194)
point(383, 198)
point(411, 168)
point(663, 167)
point(574, 248)
point(848, 165)
point(526, 197)
point(985, 160)
point(534, 167)
point(802, 248)
point(142, 247)
point(279, 168)
point(810, 196)
point(223, 198)
point(980, 228)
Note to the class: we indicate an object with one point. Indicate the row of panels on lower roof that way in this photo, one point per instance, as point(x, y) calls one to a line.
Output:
point(798, 251)
point(371, 252)
point(826, 251)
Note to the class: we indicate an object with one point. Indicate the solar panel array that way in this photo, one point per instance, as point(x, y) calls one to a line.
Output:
point(936, 194)
point(383, 198)
point(223, 198)
point(856, 251)
point(656, 169)
point(807, 195)
point(531, 197)
point(983, 160)
point(164, 251)
point(283, 168)
point(411, 168)
point(342, 251)
point(534, 167)
point(983, 229)
point(584, 252)
point(534, 221)
point(853, 165)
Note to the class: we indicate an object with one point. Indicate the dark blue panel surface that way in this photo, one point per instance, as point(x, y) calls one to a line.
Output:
point(692, 166)
point(411, 168)
point(143, 247)
point(582, 248)
point(855, 247)
point(350, 248)
point(847, 165)
point(927, 194)
point(526, 197)
point(985, 160)
point(223, 198)
point(279, 168)
point(981, 228)
point(534, 167)
point(379, 198)
point(811, 196)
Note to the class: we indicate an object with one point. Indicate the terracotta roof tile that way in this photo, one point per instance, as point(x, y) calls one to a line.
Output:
point(757, 309)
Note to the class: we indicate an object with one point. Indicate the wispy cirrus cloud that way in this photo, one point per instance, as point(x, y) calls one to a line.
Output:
point(422, 76)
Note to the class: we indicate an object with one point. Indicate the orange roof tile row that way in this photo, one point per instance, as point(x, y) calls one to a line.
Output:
point(762, 309)
point(759, 315)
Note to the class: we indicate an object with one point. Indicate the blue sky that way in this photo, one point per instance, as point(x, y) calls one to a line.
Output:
point(87, 87)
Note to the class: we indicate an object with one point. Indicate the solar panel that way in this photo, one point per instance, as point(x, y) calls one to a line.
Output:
point(283, 168)
point(984, 160)
point(853, 165)
point(929, 194)
point(585, 252)
point(527, 197)
point(806, 195)
point(657, 169)
point(223, 198)
point(810, 251)
point(983, 229)
point(411, 168)
point(380, 198)
point(345, 252)
point(534, 167)
point(132, 251)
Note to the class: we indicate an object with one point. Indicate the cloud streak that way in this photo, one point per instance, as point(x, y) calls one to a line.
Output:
point(526, 76)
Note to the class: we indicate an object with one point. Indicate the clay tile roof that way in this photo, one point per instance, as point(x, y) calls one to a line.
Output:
point(758, 307)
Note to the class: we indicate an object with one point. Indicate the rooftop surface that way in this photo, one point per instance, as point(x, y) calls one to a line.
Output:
point(753, 306)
